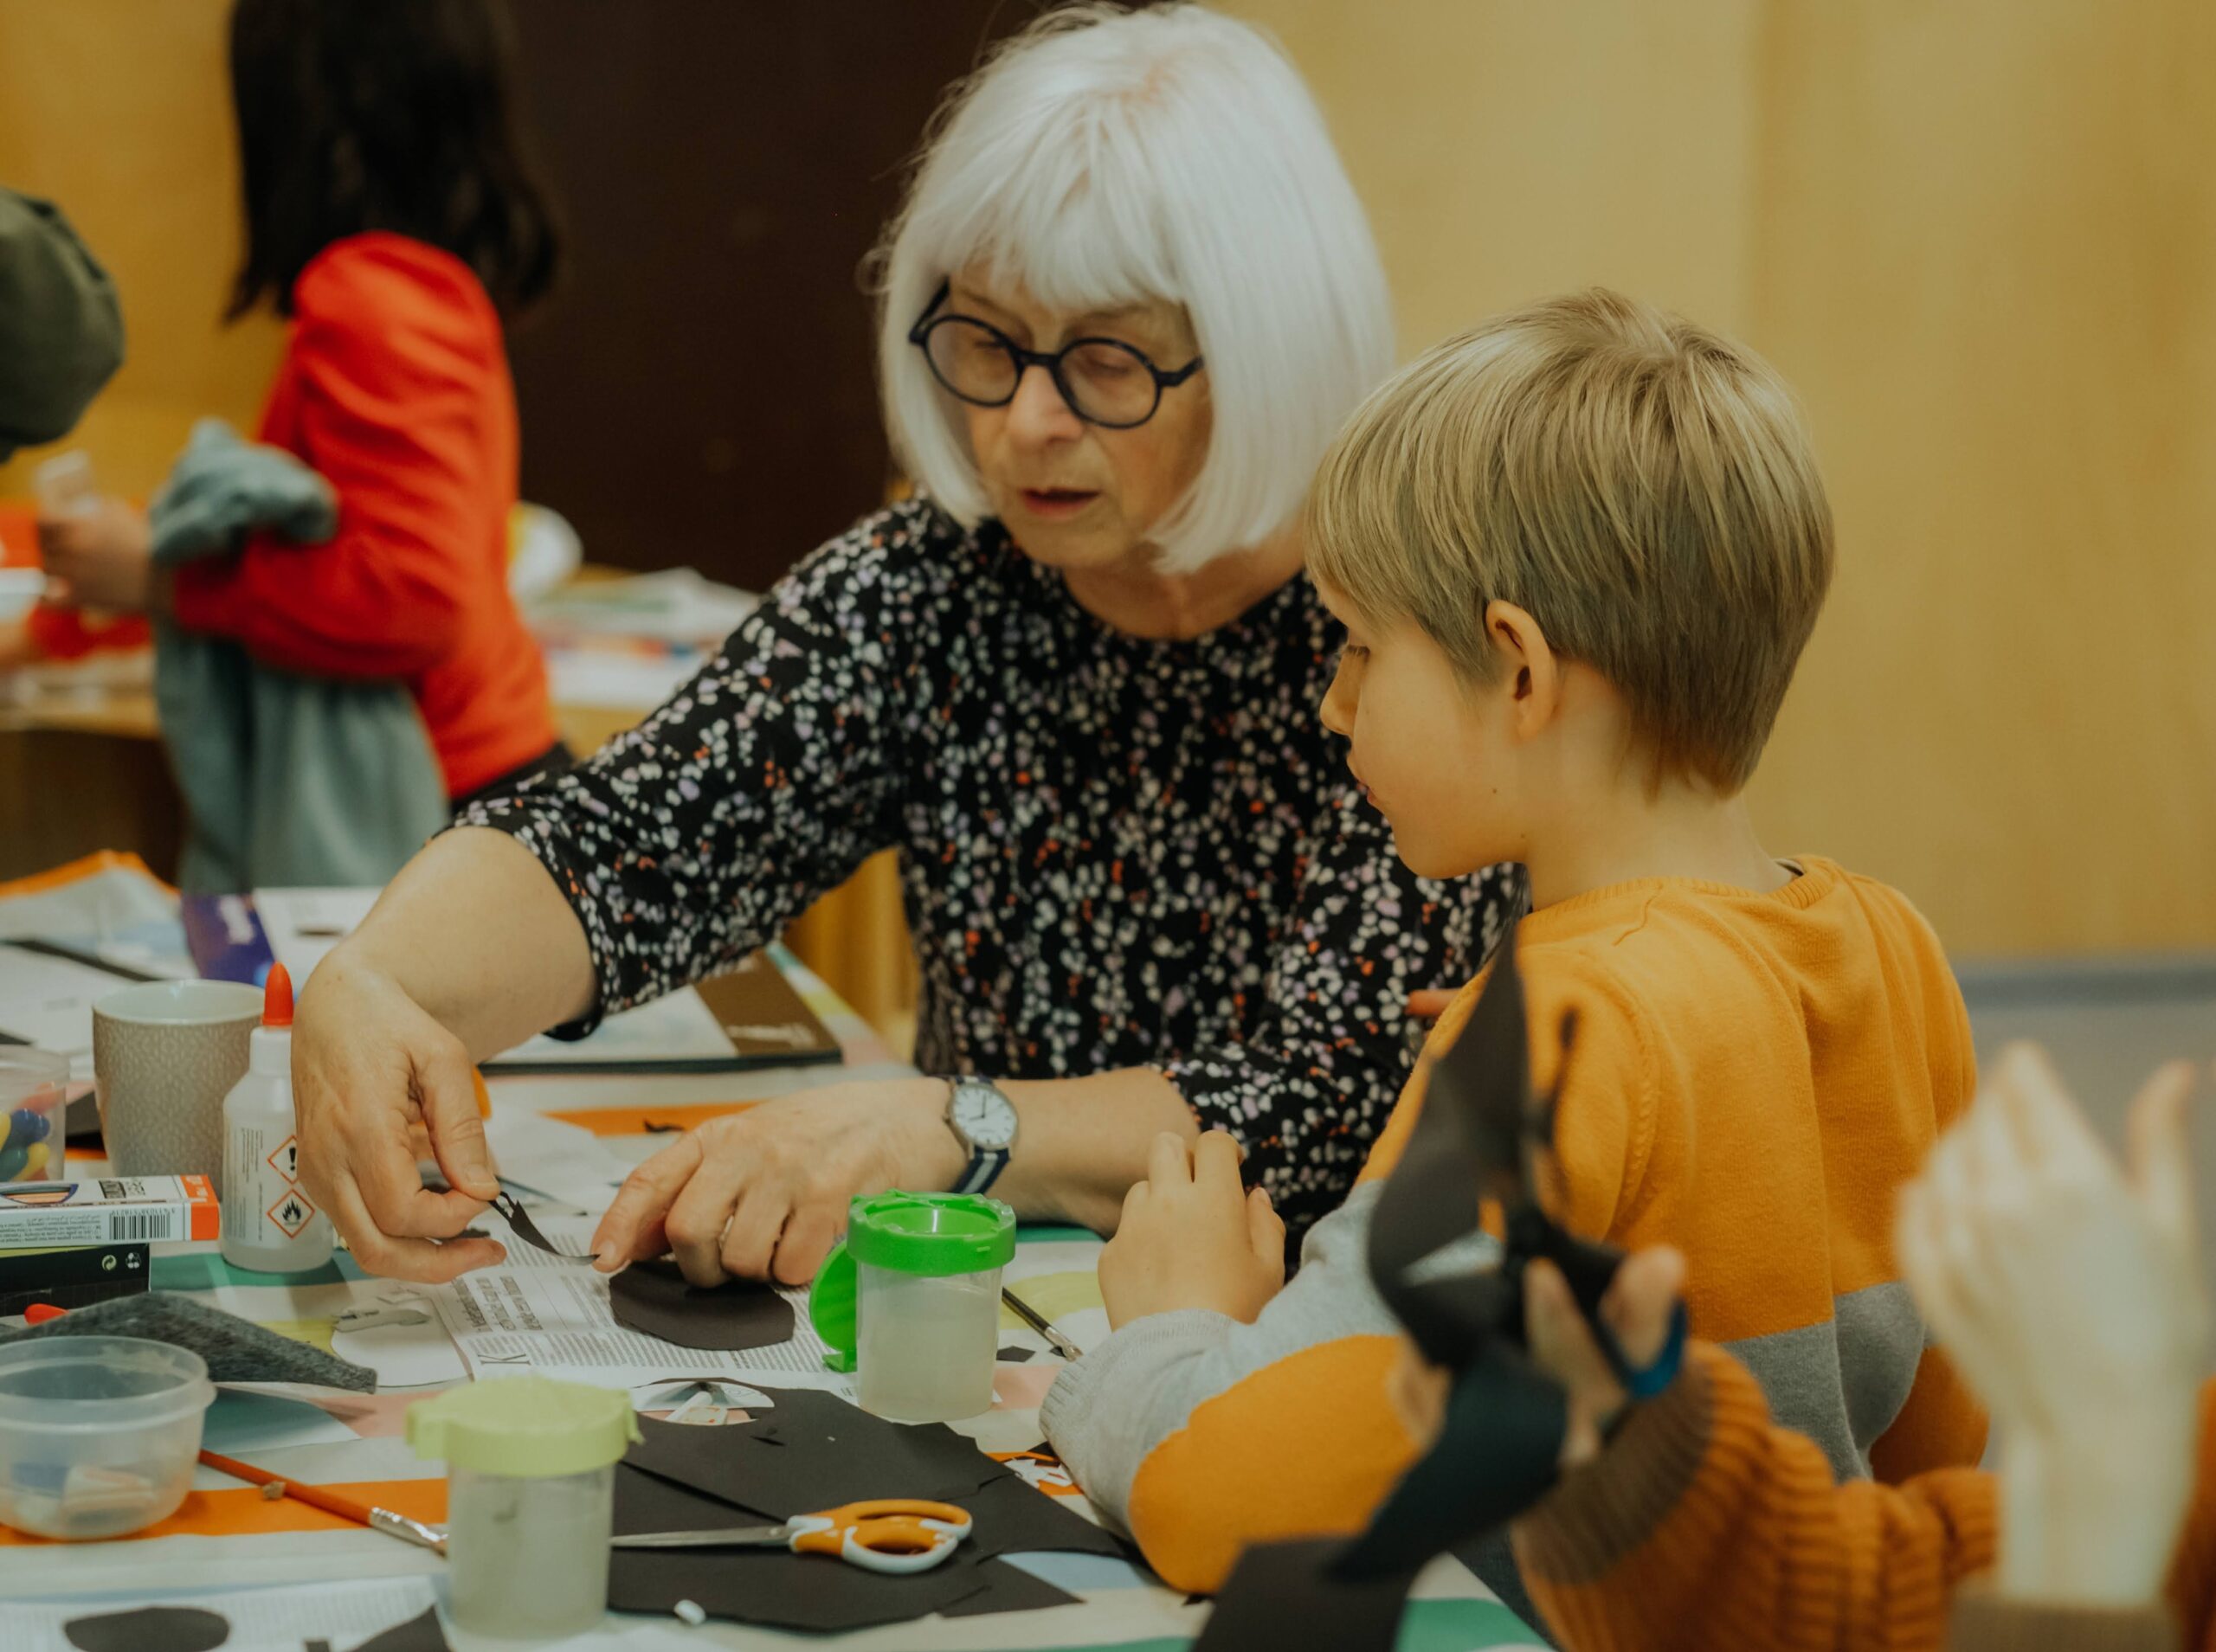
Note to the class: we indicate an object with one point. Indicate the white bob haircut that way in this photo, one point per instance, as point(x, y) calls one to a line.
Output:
point(1106, 158)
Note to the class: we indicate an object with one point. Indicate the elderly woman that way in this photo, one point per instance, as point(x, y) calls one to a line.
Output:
point(1130, 296)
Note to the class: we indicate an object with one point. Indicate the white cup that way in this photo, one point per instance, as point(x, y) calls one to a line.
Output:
point(164, 1055)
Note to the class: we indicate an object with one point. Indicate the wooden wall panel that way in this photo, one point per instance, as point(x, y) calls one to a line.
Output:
point(1978, 235)
point(120, 111)
point(1979, 238)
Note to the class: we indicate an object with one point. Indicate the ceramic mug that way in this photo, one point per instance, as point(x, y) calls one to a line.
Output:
point(164, 1055)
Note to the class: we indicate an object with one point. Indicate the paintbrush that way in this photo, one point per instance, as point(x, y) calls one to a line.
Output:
point(377, 1520)
point(1039, 1322)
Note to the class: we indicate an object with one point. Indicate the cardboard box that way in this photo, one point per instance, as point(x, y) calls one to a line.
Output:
point(73, 1276)
point(115, 1210)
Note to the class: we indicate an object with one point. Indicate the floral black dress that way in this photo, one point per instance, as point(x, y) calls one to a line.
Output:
point(1116, 852)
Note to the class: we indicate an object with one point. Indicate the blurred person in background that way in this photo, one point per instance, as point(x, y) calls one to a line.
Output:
point(391, 218)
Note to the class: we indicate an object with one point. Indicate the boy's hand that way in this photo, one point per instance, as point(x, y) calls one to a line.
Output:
point(1191, 1236)
point(2069, 1294)
point(1637, 1310)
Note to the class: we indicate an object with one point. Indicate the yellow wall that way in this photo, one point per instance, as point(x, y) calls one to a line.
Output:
point(1980, 237)
point(120, 111)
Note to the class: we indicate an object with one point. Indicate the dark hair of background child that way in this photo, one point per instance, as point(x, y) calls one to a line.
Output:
point(396, 116)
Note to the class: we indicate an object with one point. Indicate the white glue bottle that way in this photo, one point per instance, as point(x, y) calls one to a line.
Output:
point(270, 1226)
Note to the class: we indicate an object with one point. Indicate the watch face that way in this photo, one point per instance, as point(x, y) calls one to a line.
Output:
point(984, 1116)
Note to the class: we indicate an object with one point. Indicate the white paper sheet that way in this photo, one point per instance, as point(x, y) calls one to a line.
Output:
point(48, 1001)
point(565, 1162)
point(543, 1315)
point(344, 1613)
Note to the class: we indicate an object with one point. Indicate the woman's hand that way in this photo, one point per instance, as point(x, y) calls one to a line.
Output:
point(372, 1073)
point(763, 1194)
point(1192, 1236)
point(97, 557)
point(2069, 1294)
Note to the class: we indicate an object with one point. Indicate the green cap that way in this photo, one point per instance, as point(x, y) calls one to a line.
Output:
point(525, 1427)
point(929, 1236)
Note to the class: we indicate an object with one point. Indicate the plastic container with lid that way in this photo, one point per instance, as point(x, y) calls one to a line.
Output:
point(911, 1300)
point(34, 1102)
point(97, 1434)
point(531, 1494)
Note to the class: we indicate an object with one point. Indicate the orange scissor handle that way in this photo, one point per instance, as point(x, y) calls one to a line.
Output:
point(889, 1534)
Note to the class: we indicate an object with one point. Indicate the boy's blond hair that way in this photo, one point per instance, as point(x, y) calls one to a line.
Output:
point(1643, 487)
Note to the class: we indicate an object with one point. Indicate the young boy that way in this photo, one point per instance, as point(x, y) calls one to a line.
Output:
point(1577, 551)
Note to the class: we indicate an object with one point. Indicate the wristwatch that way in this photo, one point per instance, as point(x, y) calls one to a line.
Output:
point(984, 1121)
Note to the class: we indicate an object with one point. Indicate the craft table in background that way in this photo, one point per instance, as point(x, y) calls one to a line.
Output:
point(229, 1540)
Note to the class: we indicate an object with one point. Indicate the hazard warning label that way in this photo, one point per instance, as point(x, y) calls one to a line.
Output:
point(285, 1161)
point(292, 1213)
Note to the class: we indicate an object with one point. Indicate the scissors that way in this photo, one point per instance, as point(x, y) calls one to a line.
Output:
point(892, 1534)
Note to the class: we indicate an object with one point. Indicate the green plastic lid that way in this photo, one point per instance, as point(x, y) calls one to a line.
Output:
point(931, 1236)
point(525, 1427)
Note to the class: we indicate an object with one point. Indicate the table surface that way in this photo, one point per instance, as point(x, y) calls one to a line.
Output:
point(227, 1539)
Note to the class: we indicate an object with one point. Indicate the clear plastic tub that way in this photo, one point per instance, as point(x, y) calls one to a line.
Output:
point(97, 1434)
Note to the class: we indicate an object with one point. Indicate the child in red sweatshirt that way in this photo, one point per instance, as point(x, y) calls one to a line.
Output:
point(390, 219)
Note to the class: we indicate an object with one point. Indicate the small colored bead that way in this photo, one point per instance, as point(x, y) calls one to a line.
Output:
point(34, 1160)
point(12, 1160)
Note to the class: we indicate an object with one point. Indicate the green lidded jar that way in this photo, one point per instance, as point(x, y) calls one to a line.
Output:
point(911, 1300)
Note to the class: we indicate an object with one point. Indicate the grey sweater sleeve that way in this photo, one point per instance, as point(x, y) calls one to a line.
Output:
point(1106, 1411)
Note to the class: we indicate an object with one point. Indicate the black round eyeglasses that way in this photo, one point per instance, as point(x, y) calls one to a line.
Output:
point(1103, 381)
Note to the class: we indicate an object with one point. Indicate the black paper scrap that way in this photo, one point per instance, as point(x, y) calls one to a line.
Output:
point(1007, 1589)
point(1015, 1356)
point(814, 1451)
point(1283, 1594)
point(149, 1628)
point(768, 1586)
point(418, 1634)
point(518, 1220)
point(655, 1299)
point(1008, 1516)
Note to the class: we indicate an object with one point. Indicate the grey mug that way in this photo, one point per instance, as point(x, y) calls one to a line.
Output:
point(164, 1055)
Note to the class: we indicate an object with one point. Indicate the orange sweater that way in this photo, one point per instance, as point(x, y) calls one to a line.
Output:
point(1706, 1525)
point(1753, 1076)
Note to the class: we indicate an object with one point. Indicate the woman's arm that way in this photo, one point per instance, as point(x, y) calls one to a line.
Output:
point(763, 1193)
point(677, 849)
point(470, 950)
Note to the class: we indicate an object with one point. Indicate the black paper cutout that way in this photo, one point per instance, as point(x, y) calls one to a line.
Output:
point(419, 1634)
point(1009, 1588)
point(1284, 1594)
point(149, 1628)
point(1480, 1135)
point(770, 1586)
point(654, 1299)
point(1010, 1516)
point(814, 1450)
point(827, 1452)
point(1015, 1356)
point(518, 1220)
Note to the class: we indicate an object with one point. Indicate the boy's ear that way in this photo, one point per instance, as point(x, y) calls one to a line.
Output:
point(1531, 671)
